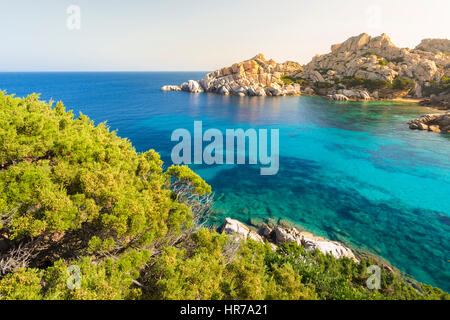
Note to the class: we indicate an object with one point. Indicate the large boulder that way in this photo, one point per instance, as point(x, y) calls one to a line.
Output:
point(312, 242)
point(236, 228)
point(194, 86)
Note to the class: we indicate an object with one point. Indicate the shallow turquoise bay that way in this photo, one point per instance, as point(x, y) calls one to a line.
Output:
point(351, 172)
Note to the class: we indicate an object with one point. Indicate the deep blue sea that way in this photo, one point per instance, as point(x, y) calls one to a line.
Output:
point(351, 172)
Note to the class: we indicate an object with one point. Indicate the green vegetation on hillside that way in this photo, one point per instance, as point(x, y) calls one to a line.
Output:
point(397, 84)
point(84, 216)
point(438, 87)
point(290, 80)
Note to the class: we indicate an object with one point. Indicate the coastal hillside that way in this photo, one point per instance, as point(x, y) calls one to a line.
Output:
point(381, 68)
point(84, 216)
point(360, 68)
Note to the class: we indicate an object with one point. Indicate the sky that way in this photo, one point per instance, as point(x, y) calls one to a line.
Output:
point(199, 35)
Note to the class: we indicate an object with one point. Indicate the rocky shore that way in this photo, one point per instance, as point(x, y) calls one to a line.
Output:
point(432, 122)
point(276, 234)
point(360, 68)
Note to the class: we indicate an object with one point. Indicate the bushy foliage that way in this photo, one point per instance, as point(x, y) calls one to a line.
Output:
point(289, 80)
point(84, 216)
point(438, 87)
point(397, 84)
point(351, 82)
point(323, 84)
point(72, 189)
point(403, 84)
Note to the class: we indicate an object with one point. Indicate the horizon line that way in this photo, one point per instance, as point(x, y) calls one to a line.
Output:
point(106, 71)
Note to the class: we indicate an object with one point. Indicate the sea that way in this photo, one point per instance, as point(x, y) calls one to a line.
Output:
point(348, 171)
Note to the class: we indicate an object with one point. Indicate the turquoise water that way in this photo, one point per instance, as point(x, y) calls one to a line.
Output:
point(351, 172)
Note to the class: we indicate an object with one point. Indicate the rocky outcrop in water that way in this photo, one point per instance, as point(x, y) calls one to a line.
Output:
point(432, 122)
point(253, 77)
point(282, 234)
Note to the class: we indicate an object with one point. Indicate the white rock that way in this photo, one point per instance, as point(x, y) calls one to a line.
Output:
point(194, 86)
point(224, 91)
point(364, 95)
point(170, 88)
point(339, 97)
point(234, 227)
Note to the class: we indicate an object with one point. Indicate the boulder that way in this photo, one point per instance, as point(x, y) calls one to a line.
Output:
point(224, 91)
point(283, 235)
point(338, 97)
point(234, 227)
point(364, 95)
point(171, 88)
point(432, 122)
point(194, 86)
point(311, 242)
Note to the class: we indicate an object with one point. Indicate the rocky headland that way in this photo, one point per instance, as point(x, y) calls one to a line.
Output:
point(253, 77)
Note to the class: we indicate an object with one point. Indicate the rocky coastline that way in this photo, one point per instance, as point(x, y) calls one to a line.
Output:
point(360, 68)
point(283, 233)
point(253, 77)
point(432, 122)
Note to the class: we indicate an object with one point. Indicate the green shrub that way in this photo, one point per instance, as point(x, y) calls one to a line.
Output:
point(437, 88)
point(403, 84)
point(351, 82)
point(396, 60)
point(323, 71)
point(323, 84)
point(287, 80)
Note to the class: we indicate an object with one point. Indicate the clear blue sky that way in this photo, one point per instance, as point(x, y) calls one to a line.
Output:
point(200, 34)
